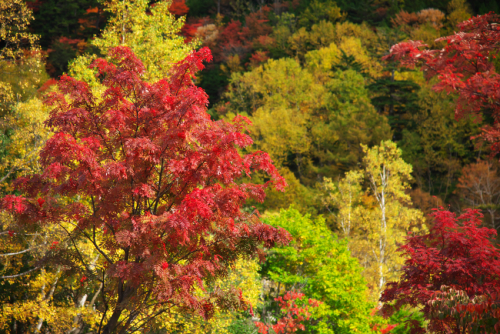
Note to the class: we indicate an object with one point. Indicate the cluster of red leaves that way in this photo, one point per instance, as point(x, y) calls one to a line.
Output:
point(456, 254)
point(92, 10)
point(465, 66)
point(258, 57)
point(178, 7)
point(189, 31)
point(234, 38)
point(46, 85)
point(148, 170)
point(293, 314)
point(231, 40)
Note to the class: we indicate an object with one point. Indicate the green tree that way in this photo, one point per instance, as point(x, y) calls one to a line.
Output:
point(398, 99)
point(321, 266)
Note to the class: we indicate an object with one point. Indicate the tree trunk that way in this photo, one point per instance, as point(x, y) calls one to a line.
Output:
point(125, 293)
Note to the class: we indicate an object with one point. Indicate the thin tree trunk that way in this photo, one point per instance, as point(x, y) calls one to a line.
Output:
point(382, 243)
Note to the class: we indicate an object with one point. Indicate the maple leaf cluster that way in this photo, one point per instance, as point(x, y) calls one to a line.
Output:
point(464, 66)
point(452, 274)
point(145, 176)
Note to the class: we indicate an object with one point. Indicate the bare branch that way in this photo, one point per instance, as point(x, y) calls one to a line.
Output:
point(21, 274)
point(16, 253)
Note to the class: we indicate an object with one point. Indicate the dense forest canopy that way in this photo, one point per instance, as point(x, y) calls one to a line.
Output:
point(249, 166)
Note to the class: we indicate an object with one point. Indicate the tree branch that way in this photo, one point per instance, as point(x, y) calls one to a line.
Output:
point(21, 274)
point(16, 253)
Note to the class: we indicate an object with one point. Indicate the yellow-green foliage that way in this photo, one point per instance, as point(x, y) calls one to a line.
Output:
point(39, 295)
point(362, 31)
point(150, 31)
point(391, 217)
point(19, 81)
point(322, 60)
point(458, 11)
point(16, 38)
point(440, 145)
point(311, 119)
point(321, 266)
point(59, 318)
point(345, 198)
point(353, 39)
point(21, 74)
point(321, 10)
point(21, 67)
point(244, 276)
point(377, 219)
point(26, 135)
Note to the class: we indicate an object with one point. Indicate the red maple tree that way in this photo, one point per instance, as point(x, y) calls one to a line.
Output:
point(153, 184)
point(452, 274)
point(465, 66)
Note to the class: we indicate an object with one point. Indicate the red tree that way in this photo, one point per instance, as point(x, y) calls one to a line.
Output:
point(151, 182)
point(452, 274)
point(465, 66)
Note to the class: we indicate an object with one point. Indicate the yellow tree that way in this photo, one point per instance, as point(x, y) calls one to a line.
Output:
point(26, 297)
point(375, 219)
point(458, 11)
point(392, 217)
point(151, 31)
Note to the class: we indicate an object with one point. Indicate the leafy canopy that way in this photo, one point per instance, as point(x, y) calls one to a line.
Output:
point(143, 175)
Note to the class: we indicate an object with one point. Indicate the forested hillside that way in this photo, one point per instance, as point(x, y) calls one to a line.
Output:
point(249, 166)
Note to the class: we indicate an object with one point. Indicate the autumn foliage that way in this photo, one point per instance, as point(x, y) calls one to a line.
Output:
point(155, 187)
point(294, 314)
point(178, 7)
point(451, 274)
point(465, 66)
